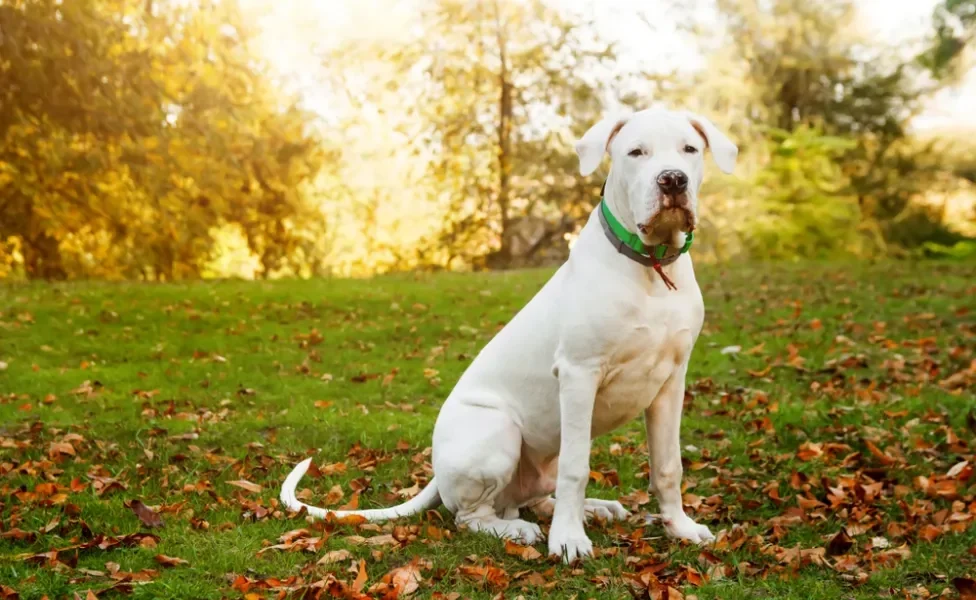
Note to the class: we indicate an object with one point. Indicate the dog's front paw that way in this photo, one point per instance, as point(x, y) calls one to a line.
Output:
point(569, 543)
point(685, 528)
point(608, 510)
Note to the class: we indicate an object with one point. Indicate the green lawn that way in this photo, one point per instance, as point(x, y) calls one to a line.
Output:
point(832, 448)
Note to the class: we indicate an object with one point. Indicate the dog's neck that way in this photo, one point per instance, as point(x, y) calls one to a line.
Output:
point(615, 197)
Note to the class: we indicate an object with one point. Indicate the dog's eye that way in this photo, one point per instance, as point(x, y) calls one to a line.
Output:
point(636, 152)
point(691, 149)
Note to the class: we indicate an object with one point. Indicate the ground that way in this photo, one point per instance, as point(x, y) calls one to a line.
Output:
point(145, 430)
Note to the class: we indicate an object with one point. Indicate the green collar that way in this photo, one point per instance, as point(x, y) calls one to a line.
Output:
point(652, 254)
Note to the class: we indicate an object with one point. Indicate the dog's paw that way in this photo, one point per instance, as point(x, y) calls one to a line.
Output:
point(515, 529)
point(525, 532)
point(570, 544)
point(607, 510)
point(685, 528)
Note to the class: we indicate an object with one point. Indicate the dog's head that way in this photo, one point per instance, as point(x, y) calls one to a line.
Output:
point(657, 161)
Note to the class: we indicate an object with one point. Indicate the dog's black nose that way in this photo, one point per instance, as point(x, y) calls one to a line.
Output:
point(672, 182)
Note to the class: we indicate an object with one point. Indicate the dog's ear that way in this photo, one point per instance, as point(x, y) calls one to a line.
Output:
point(723, 150)
point(595, 142)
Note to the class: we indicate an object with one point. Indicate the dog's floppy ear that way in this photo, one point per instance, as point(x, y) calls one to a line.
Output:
point(723, 150)
point(596, 141)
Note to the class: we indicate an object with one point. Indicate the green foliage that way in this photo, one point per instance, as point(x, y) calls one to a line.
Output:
point(955, 29)
point(150, 140)
point(492, 102)
point(962, 250)
point(803, 209)
point(132, 132)
point(801, 67)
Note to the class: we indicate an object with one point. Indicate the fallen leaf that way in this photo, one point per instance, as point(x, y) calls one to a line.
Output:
point(360, 581)
point(334, 556)
point(19, 534)
point(761, 373)
point(246, 485)
point(170, 561)
point(409, 492)
point(840, 543)
point(523, 552)
point(491, 576)
point(334, 496)
point(957, 469)
point(405, 580)
point(382, 540)
point(146, 515)
point(56, 449)
point(966, 587)
point(929, 532)
point(363, 377)
point(353, 503)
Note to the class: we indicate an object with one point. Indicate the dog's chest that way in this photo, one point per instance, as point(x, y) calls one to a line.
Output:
point(644, 358)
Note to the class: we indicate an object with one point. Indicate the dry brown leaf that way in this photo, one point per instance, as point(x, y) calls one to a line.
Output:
point(523, 552)
point(353, 503)
point(382, 540)
point(246, 485)
point(409, 492)
point(148, 517)
point(334, 496)
point(334, 556)
point(957, 469)
point(405, 580)
point(840, 543)
point(170, 561)
point(966, 587)
point(929, 532)
point(491, 576)
point(762, 373)
point(360, 581)
point(56, 449)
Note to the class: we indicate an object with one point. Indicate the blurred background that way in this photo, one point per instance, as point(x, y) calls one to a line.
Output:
point(179, 139)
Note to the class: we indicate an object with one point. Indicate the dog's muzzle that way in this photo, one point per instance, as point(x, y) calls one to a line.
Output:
point(675, 204)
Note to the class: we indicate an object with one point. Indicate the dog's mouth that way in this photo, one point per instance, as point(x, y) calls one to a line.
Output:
point(666, 224)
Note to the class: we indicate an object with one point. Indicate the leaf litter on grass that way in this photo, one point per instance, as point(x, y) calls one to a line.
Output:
point(837, 446)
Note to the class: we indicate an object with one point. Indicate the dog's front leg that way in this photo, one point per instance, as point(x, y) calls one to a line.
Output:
point(663, 422)
point(577, 392)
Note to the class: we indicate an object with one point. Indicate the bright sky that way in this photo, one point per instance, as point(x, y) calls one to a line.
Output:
point(291, 25)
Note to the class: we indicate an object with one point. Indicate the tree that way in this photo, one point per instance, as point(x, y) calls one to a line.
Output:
point(134, 130)
point(797, 66)
point(493, 92)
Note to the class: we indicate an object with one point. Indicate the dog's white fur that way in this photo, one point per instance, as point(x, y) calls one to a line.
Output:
point(603, 341)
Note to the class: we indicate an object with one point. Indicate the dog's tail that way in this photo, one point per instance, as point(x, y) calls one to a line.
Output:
point(427, 498)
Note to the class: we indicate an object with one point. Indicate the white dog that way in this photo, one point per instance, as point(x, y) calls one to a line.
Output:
point(606, 339)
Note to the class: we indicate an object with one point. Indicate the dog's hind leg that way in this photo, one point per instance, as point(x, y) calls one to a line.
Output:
point(476, 453)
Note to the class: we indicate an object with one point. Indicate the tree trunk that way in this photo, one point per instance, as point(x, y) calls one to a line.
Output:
point(42, 258)
point(504, 149)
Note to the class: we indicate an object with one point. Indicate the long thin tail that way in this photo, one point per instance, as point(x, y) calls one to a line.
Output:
point(427, 498)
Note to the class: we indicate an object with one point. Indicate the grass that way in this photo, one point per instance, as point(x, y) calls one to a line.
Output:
point(849, 406)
